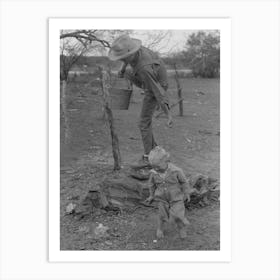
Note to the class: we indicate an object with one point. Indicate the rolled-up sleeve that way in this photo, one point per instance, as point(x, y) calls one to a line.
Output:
point(152, 84)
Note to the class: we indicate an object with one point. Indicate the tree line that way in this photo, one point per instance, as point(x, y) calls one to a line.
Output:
point(201, 52)
point(201, 55)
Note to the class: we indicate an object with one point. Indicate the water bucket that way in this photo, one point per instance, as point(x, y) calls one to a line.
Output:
point(120, 94)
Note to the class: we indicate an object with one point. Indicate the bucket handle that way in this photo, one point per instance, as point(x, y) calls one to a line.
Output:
point(129, 83)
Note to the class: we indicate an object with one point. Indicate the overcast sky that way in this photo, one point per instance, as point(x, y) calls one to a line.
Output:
point(175, 39)
point(171, 40)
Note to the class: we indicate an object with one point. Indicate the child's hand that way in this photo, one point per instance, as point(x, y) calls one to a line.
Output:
point(149, 199)
point(187, 197)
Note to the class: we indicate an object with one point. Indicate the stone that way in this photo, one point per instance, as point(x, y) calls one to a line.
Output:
point(70, 208)
point(100, 230)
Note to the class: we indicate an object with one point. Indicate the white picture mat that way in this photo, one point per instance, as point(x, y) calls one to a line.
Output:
point(55, 25)
point(255, 104)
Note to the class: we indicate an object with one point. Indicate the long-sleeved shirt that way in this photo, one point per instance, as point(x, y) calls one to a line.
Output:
point(170, 186)
point(150, 74)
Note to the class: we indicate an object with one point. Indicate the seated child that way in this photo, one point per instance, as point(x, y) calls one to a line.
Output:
point(170, 188)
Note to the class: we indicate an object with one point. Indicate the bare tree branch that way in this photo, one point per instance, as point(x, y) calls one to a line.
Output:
point(155, 40)
point(86, 35)
point(76, 43)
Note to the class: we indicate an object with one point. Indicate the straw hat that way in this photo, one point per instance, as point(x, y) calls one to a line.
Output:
point(123, 47)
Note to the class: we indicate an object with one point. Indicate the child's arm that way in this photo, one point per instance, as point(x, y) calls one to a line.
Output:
point(152, 188)
point(185, 186)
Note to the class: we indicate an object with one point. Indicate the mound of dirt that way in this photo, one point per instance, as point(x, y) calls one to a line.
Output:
point(123, 191)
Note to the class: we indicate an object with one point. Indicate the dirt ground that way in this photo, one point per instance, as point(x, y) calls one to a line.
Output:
point(86, 159)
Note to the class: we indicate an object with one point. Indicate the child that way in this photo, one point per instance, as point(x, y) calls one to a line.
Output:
point(169, 186)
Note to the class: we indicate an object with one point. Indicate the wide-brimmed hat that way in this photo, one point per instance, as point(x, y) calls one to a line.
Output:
point(123, 47)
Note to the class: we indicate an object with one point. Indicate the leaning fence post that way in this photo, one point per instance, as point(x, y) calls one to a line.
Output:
point(179, 91)
point(105, 85)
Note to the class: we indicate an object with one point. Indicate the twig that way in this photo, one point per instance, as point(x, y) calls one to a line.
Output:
point(171, 106)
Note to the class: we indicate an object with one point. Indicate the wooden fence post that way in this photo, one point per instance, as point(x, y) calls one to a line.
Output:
point(179, 91)
point(63, 87)
point(105, 85)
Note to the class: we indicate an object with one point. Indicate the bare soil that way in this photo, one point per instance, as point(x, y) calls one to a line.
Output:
point(86, 159)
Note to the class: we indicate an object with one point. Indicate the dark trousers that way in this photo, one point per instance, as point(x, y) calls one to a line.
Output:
point(145, 124)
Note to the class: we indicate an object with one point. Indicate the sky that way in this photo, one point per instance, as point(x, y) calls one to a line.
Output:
point(172, 41)
point(175, 39)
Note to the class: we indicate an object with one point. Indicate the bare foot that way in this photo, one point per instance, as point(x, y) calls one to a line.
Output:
point(160, 233)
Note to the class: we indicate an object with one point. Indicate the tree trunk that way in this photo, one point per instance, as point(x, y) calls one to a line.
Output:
point(64, 112)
